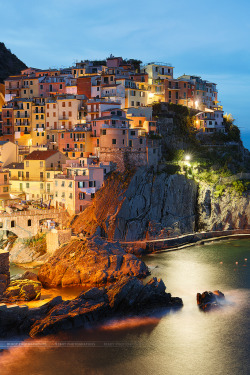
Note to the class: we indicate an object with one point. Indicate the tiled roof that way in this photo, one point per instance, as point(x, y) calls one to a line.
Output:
point(15, 166)
point(41, 155)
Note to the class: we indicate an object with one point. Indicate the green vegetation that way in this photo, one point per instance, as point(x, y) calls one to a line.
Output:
point(219, 191)
point(37, 242)
point(9, 63)
point(240, 186)
point(135, 63)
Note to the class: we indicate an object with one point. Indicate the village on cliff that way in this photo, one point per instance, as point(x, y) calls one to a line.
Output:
point(62, 131)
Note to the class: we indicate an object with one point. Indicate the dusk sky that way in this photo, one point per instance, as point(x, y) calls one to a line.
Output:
point(208, 39)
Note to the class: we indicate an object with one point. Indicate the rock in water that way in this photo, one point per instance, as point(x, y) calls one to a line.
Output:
point(22, 290)
point(210, 300)
point(93, 262)
point(128, 296)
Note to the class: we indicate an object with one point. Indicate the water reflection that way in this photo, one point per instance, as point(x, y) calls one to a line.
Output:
point(188, 341)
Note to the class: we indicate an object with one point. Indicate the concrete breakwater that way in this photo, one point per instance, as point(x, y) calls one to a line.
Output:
point(192, 238)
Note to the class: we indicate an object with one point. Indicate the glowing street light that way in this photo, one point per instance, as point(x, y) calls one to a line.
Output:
point(187, 157)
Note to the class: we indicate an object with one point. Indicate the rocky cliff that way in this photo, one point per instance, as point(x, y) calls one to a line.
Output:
point(127, 297)
point(153, 204)
point(149, 205)
point(229, 211)
point(91, 262)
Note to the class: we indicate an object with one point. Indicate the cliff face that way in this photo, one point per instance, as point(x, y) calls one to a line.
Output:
point(230, 211)
point(9, 63)
point(150, 206)
point(155, 205)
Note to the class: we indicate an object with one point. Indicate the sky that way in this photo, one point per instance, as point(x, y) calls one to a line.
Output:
point(210, 39)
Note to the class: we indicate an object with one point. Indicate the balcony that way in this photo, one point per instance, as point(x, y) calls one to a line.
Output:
point(22, 123)
point(63, 118)
point(40, 130)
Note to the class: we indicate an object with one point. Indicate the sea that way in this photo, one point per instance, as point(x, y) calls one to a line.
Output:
point(186, 341)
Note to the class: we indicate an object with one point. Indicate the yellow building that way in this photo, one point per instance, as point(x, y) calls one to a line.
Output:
point(4, 188)
point(30, 87)
point(38, 132)
point(23, 121)
point(2, 95)
point(35, 176)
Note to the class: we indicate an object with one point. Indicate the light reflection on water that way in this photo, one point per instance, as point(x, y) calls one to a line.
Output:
point(187, 341)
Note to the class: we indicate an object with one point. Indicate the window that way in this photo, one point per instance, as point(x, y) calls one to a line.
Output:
point(81, 184)
point(81, 196)
point(48, 188)
point(48, 175)
point(140, 141)
point(29, 223)
point(63, 104)
point(56, 183)
point(113, 141)
point(92, 184)
point(12, 224)
point(41, 186)
point(63, 194)
point(5, 189)
point(27, 185)
point(132, 132)
point(60, 87)
point(130, 143)
point(104, 132)
point(63, 183)
point(41, 175)
point(70, 184)
point(70, 196)
point(41, 87)
point(138, 104)
point(69, 104)
point(31, 91)
point(27, 174)
point(92, 195)
point(62, 135)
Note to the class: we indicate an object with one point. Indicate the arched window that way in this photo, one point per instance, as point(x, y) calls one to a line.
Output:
point(29, 223)
point(12, 223)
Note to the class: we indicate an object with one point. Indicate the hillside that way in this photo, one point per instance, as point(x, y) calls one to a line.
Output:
point(9, 63)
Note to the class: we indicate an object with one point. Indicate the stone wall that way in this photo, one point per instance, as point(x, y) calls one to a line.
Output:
point(55, 238)
point(4, 270)
point(130, 157)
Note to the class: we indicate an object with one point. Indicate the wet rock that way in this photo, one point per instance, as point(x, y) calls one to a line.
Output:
point(127, 296)
point(28, 275)
point(210, 300)
point(22, 290)
point(92, 262)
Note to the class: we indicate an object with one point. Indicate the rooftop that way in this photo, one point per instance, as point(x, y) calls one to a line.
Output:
point(41, 155)
point(15, 166)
